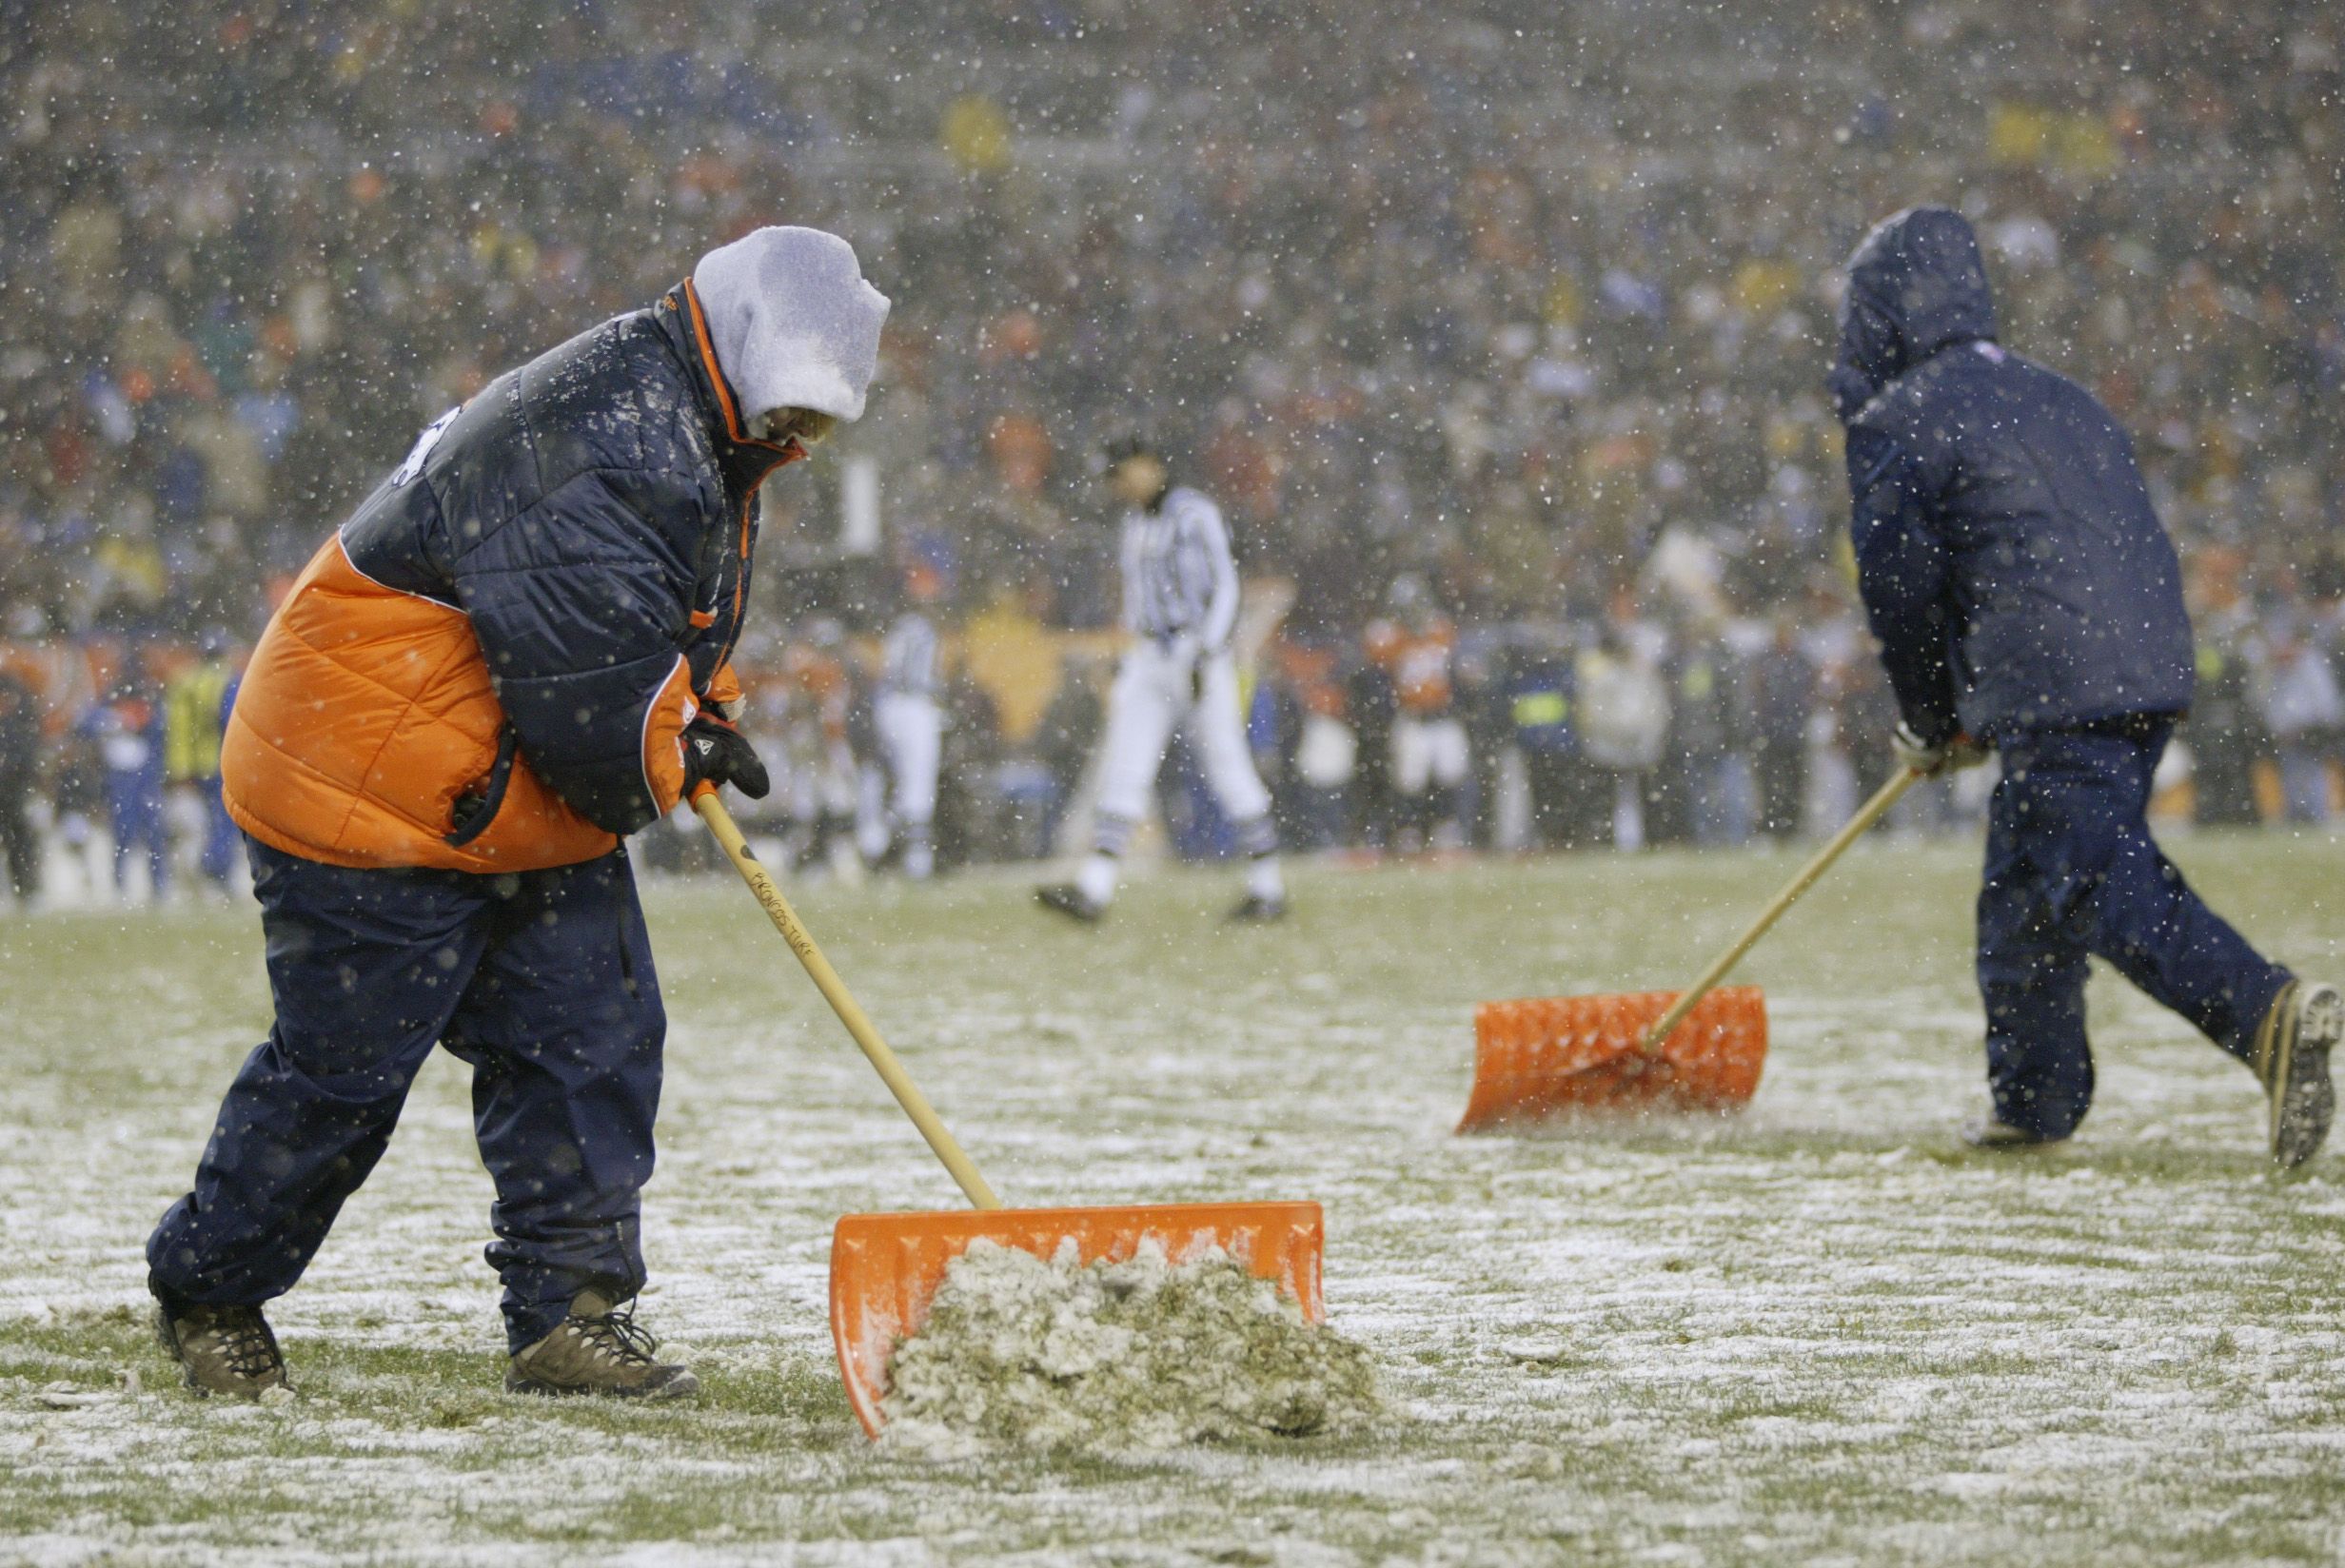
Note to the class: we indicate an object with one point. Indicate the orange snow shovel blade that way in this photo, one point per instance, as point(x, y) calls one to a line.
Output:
point(1698, 1048)
point(1550, 1055)
point(885, 1268)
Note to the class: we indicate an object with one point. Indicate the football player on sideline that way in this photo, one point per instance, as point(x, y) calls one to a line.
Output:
point(1180, 605)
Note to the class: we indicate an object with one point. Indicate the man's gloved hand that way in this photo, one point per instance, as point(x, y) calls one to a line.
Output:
point(1949, 755)
point(716, 753)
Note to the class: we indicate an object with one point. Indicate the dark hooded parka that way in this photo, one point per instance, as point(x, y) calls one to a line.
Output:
point(2011, 562)
point(2023, 592)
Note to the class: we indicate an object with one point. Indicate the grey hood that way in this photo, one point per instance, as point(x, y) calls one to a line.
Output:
point(793, 321)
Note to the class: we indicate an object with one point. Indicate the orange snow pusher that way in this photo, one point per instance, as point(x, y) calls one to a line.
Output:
point(1546, 1055)
point(1697, 1049)
point(886, 1268)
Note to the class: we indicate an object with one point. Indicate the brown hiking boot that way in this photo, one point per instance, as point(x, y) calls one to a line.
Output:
point(224, 1349)
point(598, 1350)
point(2291, 1057)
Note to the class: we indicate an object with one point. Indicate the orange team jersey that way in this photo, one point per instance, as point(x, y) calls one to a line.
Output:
point(1418, 660)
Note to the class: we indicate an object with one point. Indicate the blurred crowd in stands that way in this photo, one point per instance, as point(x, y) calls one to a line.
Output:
point(1495, 329)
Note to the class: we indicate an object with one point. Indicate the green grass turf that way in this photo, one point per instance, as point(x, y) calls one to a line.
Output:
point(1817, 1332)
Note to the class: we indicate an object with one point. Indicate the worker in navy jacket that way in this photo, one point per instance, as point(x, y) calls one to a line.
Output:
point(516, 652)
point(2029, 601)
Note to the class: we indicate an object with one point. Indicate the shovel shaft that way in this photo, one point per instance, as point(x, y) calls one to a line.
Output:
point(1872, 811)
point(842, 1002)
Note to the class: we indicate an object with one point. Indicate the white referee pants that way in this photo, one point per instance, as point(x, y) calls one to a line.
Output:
point(1151, 695)
point(911, 731)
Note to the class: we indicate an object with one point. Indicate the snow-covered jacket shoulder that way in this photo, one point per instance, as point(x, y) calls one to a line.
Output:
point(489, 665)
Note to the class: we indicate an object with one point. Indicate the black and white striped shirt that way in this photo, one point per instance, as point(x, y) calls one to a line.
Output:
point(1178, 576)
point(908, 658)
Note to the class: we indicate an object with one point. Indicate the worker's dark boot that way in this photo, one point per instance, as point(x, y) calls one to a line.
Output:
point(2291, 1058)
point(598, 1349)
point(1997, 1136)
point(223, 1349)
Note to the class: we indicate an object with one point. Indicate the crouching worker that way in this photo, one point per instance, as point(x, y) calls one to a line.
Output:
point(510, 657)
point(2027, 600)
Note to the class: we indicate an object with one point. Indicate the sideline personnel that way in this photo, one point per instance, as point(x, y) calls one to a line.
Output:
point(2028, 599)
point(511, 657)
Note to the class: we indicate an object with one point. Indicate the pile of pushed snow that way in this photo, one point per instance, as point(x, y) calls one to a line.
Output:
point(1115, 1357)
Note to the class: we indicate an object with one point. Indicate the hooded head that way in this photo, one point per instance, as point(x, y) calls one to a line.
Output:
point(1916, 284)
point(793, 321)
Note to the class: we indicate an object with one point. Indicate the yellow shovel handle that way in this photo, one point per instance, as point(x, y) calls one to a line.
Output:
point(1872, 811)
point(835, 992)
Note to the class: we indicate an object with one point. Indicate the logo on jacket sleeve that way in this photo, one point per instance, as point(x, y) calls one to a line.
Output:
point(422, 449)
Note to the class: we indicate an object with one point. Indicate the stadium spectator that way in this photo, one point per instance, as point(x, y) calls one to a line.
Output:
point(1445, 319)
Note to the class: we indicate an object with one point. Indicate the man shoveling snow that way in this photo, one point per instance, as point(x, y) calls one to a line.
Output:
point(515, 654)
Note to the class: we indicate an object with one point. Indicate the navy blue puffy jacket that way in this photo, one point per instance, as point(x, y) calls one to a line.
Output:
point(2010, 560)
point(593, 512)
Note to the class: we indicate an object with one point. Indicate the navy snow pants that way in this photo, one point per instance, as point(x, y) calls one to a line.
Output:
point(2071, 870)
point(541, 980)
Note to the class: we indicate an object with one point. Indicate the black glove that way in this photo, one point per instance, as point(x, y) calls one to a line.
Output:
point(716, 753)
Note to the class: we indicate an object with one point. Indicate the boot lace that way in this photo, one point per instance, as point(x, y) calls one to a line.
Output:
point(616, 1336)
point(246, 1346)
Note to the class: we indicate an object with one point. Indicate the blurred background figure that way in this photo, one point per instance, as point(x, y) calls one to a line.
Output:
point(1624, 723)
point(1708, 795)
point(126, 729)
point(78, 807)
point(195, 716)
point(969, 827)
point(1564, 798)
point(1556, 391)
point(2296, 688)
point(910, 723)
point(818, 785)
point(1415, 645)
point(1782, 700)
point(2225, 733)
point(20, 776)
point(1064, 738)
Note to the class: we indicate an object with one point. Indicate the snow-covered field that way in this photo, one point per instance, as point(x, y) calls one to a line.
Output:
point(1817, 1333)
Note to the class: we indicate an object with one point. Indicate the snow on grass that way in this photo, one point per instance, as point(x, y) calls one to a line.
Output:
point(1817, 1332)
